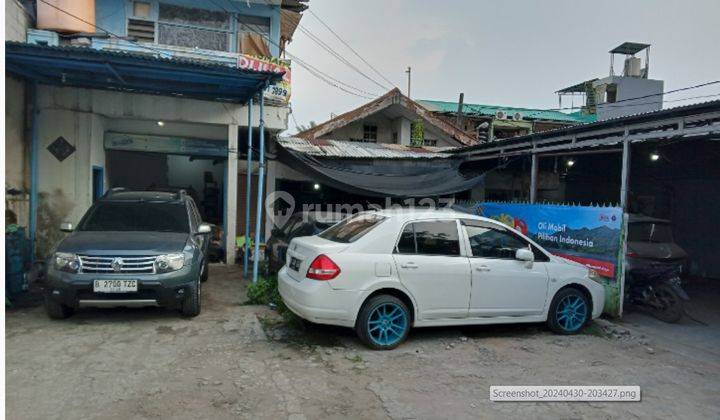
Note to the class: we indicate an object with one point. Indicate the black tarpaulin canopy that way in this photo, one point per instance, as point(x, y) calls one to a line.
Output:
point(388, 177)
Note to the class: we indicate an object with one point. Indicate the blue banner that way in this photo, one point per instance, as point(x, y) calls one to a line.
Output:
point(588, 235)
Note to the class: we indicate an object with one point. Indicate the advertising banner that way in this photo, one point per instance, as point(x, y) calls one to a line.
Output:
point(588, 235)
point(279, 91)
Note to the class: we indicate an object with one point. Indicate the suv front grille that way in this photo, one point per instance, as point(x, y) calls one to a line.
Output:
point(117, 265)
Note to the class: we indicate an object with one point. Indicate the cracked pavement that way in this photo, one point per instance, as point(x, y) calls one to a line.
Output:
point(236, 361)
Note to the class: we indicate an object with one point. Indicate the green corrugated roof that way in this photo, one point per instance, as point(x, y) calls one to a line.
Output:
point(491, 110)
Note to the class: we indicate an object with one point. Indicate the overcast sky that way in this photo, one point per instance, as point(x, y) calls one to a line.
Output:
point(506, 53)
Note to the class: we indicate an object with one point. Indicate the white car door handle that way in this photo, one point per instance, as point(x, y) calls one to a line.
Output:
point(409, 265)
point(482, 268)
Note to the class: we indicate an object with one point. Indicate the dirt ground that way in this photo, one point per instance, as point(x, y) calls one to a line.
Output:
point(236, 361)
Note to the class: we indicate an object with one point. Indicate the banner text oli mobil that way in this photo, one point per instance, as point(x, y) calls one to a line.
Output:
point(588, 235)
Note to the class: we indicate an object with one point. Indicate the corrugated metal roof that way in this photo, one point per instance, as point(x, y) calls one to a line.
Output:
point(134, 72)
point(491, 110)
point(347, 149)
point(690, 109)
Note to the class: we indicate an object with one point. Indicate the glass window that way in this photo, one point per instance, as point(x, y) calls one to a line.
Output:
point(194, 17)
point(141, 9)
point(437, 238)
point(254, 25)
point(430, 238)
point(370, 132)
point(352, 229)
point(183, 36)
point(144, 217)
point(650, 232)
point(406, 244)
point(194, 28)
point(491, 243)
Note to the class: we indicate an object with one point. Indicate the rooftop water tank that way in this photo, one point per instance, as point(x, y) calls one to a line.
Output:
point(68, 16)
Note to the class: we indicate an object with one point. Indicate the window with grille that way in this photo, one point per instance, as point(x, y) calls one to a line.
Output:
point(192, 27)
point(370, 133)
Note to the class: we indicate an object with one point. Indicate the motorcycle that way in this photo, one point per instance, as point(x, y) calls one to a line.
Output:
point(656, 290)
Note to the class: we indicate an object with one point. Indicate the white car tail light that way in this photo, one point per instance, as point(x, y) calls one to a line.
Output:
point(323, 268)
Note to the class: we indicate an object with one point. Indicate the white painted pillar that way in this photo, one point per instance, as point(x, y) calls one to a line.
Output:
point(625, 174)
point(534, 178)
point(231, 194)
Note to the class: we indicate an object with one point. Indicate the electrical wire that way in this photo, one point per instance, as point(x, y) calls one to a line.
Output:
point(350, 48)
point(337, 55)
point(312, 69)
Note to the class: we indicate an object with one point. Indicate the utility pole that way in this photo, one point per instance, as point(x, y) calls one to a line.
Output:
point(408, 73)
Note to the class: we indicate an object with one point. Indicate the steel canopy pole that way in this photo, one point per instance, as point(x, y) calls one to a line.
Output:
point(34, 172)
point(261, 180)
point(248, 190)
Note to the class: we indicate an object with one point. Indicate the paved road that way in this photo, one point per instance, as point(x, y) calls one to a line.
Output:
point(235, 361)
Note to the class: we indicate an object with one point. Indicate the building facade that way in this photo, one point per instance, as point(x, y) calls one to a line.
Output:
point(141, 94)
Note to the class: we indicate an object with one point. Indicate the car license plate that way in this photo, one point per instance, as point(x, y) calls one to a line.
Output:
point(115, 286)
point(294, 263)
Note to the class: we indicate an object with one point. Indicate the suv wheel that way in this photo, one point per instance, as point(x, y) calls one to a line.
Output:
point(205, 272)
point(57, 310)
point(191, 304)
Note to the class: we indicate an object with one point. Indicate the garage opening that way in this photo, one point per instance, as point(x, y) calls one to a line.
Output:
point(202, 177)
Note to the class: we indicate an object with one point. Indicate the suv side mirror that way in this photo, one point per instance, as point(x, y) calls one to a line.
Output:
point(66, 227)
point(524, 254)
point(203, 229)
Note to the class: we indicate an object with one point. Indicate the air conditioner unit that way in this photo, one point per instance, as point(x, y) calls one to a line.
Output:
point(517, 116)
point(501, 115)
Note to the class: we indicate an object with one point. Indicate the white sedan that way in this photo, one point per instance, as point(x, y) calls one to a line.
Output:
point(384, 272)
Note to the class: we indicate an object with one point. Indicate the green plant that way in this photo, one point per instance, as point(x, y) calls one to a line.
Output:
point(265, 292)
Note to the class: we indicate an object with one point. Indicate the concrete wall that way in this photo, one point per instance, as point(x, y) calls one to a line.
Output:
point(16, 21)
point(152, 107)
point(628, 88)
point(386, 127)
point(16, 163)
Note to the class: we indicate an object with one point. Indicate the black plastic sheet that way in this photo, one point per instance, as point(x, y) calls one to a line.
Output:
point(384, 177)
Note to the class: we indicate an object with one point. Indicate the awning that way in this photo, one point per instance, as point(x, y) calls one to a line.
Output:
point(389, 177)
point(134, 72)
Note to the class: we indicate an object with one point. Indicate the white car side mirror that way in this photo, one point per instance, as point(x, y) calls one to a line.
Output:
point(524, 254)
point(66, 227)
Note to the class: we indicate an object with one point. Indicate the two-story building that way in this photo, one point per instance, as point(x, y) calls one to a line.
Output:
point(151, 94)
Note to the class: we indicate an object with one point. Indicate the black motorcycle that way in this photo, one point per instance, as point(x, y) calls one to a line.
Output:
point(656, 290)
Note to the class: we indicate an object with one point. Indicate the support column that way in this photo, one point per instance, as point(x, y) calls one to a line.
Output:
point(231, 195)
point(248, 190)
point(261, 181)
point(271, 176)
point(534, 178)
point(625, 175)
point(34, 150)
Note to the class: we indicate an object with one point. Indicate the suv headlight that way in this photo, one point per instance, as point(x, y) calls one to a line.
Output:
point(169, 262)
point(595, 276)
point(65, 261)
